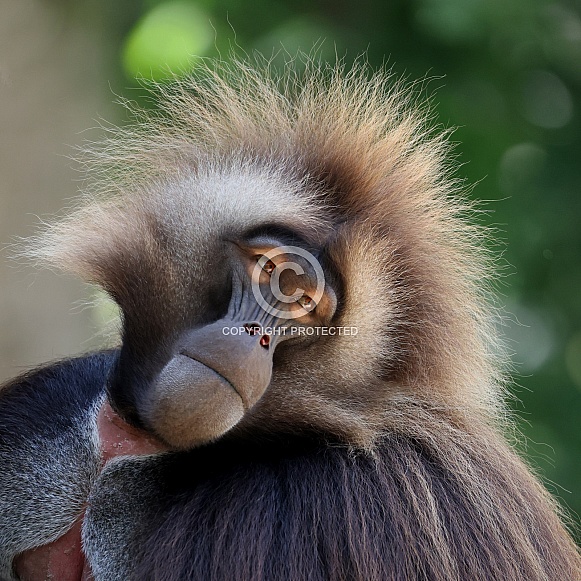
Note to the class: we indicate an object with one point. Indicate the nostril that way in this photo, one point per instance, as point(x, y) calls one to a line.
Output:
point(265, 341)
point(252, 328)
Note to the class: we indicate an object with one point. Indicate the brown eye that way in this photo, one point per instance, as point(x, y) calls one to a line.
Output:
point(268, 267)
point(307, 303)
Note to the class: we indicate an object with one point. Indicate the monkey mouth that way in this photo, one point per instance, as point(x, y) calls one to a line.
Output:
point(220, 374)
point(63, 559)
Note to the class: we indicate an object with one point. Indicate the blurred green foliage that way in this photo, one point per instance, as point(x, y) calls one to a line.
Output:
point(166, 39)
point(508, 76)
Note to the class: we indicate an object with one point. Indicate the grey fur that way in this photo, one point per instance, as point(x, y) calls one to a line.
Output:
point(121, 500)
point(44, 484)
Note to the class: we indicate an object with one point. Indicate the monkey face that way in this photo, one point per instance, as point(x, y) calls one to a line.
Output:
point(219, 371)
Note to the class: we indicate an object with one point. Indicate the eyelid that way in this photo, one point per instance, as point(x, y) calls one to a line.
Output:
point(268, 266)
point(310, 305)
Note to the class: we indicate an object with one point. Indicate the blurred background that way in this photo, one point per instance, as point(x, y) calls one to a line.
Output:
point(506, 74)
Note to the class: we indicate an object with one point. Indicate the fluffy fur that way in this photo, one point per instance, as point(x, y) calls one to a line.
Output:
point(388, 460)
point(328, 153)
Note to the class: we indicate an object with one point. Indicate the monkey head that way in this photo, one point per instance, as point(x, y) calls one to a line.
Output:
point(287, 259)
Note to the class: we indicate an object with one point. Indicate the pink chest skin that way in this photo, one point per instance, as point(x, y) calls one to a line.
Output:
point(63, 559)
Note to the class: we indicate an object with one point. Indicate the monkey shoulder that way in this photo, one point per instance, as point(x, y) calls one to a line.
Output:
point(54, 397)
point(49, 451)
point(317, 512)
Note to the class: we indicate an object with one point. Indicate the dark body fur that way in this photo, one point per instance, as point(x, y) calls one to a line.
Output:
point(49, 400)
point(293, 508)
point(321, 513)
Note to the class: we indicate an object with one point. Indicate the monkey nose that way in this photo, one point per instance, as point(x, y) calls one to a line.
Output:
point(255, 329)
point(241, 353)
point(252, 328)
